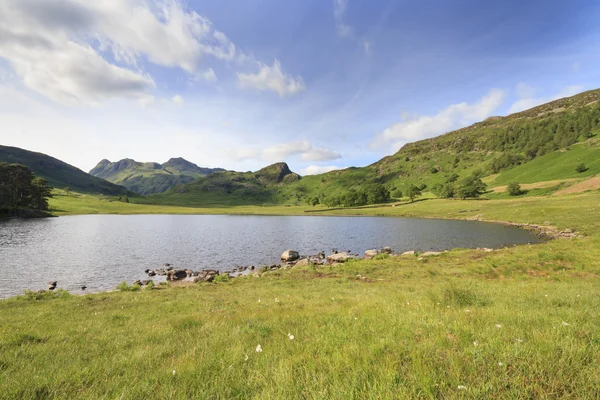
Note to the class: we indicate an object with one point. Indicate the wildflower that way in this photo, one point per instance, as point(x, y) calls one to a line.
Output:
point(276, 300)
point(246, 357)
point(500, 364)
point(461, 387)
point(498, 326)
point(333, 298)
point(291, 336)
point(467, 310)
point(174, 372)
point(519, 340)
point(565, 323)
point(258, 349)
point(476, 343)
point(259, 300)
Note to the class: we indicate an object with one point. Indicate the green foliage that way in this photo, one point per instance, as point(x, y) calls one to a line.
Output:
point(381, 256)
point(124, 287)
point(581, 168)
point(45, 294)
point(413, 192)
point(514, 189)
point(222, 278)
point(21, 190)
point(471, 186)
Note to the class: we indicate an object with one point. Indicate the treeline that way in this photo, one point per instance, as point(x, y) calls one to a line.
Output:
point(369, 194)
point(21, 191)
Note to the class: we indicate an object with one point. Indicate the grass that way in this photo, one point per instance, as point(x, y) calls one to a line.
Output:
point(521, 322)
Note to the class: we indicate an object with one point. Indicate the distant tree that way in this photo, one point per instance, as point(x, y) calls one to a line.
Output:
point(40, 192)
point(413, 192)
point(444, 190)
point(471, 186)
point(397, 194)
point(434, 170)
point(581, 168)
point(21, 190)
point(514, 189)
point(67, 190)
point(377, 194)
point(452, 178)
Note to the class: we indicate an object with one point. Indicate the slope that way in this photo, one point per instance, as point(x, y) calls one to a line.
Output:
point(150, 177)
point(58, 173)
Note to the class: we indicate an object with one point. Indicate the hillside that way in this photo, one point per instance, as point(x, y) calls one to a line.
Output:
point(150, 177)
point(232, 188)
point(58, 173)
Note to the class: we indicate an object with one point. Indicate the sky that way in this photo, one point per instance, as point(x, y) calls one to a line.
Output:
point(319, 84)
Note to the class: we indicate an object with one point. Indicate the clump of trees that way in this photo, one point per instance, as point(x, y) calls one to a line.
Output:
point(21, 190)
point(469, 187)
point(514, 189)
point(369, 194)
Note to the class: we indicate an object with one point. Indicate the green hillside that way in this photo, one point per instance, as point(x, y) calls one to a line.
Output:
point(58, 173)
point(232, 188)
point(150, 177)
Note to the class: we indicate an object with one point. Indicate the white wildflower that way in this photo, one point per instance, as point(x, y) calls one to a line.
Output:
point(259, 300)
point(258, 349)
point(276, 300)
point(291, 336)
point(519, 340)
point(246, 357)
point(467, 310)
point(476, 343)
point(498, 326)
point(174, 372)
point(565, 323)
point(461, 387)
point(500, 364)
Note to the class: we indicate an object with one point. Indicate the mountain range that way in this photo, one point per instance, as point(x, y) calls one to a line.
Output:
point(549, 143)
point(150, 177)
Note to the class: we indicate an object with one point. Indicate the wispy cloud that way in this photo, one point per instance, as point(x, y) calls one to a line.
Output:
point(344, 30)
point(272, 78)
point(281, 152)
point(317, 169)
point(452, 117)
point(527, 97)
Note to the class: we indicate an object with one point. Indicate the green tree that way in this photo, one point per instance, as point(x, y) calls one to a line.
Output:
point(581, 168)
point(471, 186)
point(514, 189)
point(40, 192)
point(413, 192)
point(67, 190)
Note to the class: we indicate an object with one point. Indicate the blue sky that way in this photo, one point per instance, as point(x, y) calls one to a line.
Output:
point(240, 84)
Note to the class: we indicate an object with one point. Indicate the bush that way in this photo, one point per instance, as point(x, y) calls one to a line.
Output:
point(124, 287)
point(514, 189)
point(221, 278)
point(381, 256)
point(45, 295)
point(581, 168)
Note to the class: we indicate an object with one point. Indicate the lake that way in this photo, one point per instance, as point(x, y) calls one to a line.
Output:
point(102, 250)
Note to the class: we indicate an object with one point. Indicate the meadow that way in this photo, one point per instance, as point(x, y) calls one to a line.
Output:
point(518, 322)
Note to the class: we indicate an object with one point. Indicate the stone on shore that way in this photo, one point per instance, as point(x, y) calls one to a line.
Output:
point(431, 253)
point(409, 253)
point(290, 255)
point(339, 258)
point(371, 253)
point(305, 262)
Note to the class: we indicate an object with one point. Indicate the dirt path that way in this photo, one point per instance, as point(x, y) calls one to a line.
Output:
point(589, 184)
point(537, 185)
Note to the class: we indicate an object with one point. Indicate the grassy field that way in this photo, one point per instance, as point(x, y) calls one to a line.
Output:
point(520, 322)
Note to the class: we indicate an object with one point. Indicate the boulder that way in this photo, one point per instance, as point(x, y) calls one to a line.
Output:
point(305, 262)
point(189, 272)
point(387, 250)
point(290, 255)
point(431, 253)
point(176, 275)
point(409, 253)
point(151, 273)
point(339, 258)
point(146, 282)
point(371, 253)
point(137, 282)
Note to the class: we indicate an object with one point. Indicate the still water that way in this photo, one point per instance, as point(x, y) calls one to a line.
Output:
point(102, 250)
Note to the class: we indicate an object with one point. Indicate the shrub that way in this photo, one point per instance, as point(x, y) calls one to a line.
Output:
point(45, 295)
point(124, 287)
point(514, 189)
point(381, 256)
point(221, 278)
point(581, 168)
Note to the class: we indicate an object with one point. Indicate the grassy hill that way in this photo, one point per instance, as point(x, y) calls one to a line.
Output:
point(58, 173)
point(546, 142)
point(232, 188)
point(150, 177)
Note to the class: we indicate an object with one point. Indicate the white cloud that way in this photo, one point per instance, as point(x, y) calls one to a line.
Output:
point(527, 97)
point(281, 152)
point(339, 13)
point(59, 47)
point(450, 118)
point(317, 169)
point(178, 99)
point(271, 79)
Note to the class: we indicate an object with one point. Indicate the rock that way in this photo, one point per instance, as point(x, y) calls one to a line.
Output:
point(137, 282)
point(251, 268)
point(305, 262)
point(256, 274)
point(166, 265)
point(160, 272)
point(387, 250)
point(290, 255)
point(321, 255)
point(339, 258)
point(83, 287)
point(485, 249)
point(189, 272)
point(147, 270)
point(176, 275)
point(151, 273)
point(146, 282)
point(371, 253)
point(430, 253)
point(409, 253)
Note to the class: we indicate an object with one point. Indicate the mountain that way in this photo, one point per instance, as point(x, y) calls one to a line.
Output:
point(545, 143)
point(150, 177)
point(58, 173)
point(232, 188)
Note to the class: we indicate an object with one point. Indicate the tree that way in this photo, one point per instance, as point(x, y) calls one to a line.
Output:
point(21, 190)
point(514, 189)
point(67, 190)
point(40, 193)
point(471, 186)
point(413, 192)
point(581, 168)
